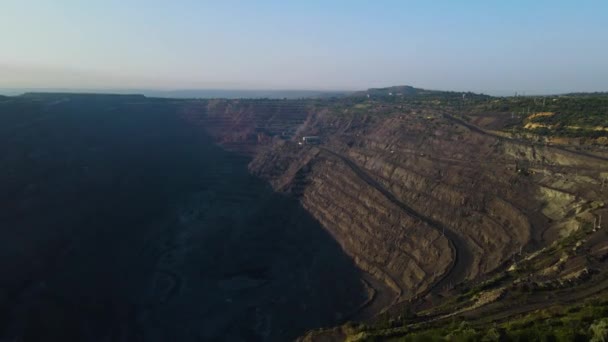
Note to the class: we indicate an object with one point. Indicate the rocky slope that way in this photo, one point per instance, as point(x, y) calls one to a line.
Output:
point(128, 223)
point(242, 125)
point(419, 198)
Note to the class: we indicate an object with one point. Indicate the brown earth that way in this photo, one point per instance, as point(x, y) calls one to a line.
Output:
point(420, 199)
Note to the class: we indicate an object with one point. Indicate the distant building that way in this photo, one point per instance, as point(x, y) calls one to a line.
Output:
point(523, 167)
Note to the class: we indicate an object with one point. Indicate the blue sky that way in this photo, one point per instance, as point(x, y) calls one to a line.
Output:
point(487, 46)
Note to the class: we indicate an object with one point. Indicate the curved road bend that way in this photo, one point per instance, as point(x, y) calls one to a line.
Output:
point(462, 257)
point(518, 141)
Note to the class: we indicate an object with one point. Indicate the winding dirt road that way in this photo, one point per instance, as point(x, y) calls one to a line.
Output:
point(518, 141)
point(461, 256)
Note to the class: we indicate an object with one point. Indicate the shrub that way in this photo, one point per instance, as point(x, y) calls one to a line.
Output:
point(599, 330)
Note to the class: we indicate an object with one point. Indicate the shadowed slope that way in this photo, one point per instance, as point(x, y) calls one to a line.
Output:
point(120, 222)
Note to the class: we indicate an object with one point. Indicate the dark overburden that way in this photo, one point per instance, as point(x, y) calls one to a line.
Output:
point(120, 222)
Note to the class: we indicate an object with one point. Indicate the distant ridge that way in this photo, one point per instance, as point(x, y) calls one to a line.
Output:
point(409, 91)
point(79, 95)
point(245, 94)
point(404, 90)
point(187, 93)
point(597, 93)
point(400, 91)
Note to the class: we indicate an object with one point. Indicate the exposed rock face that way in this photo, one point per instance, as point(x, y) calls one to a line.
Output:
point(129, 224)
point(419, 199)
point(362, 220)
point(242, 125)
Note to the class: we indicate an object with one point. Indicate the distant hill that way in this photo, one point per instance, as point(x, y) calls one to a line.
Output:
point(409, 91)
point(598, 94)
point(401, 90)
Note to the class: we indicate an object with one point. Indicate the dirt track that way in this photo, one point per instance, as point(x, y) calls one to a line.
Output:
point(461, 255)
point(517, 141)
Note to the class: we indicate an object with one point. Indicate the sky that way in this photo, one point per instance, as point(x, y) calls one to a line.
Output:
point(495, 47)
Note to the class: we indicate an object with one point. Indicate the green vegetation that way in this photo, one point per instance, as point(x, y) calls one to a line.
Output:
point(566, 115)
point(488, 284)
point(417, 96)
point(567, 321)
point(578, 322)
point(571, 115)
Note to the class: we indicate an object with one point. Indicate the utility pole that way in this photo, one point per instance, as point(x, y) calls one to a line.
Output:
point(594, 223)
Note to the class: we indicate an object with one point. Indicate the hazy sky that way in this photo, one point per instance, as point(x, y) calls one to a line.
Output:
point(490, 46)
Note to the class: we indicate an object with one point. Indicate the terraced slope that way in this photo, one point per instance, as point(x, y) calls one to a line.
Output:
point(144, 229)
point(242, 125)
point(422, 200)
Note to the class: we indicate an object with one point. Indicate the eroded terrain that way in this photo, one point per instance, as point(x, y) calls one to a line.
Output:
point(424, 198)
point(215, 219)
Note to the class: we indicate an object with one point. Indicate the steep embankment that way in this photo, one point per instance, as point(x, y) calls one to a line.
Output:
point(243, 125)
point(426, 189)
point(420, 200)
point(460, 255)
point(381, 235)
